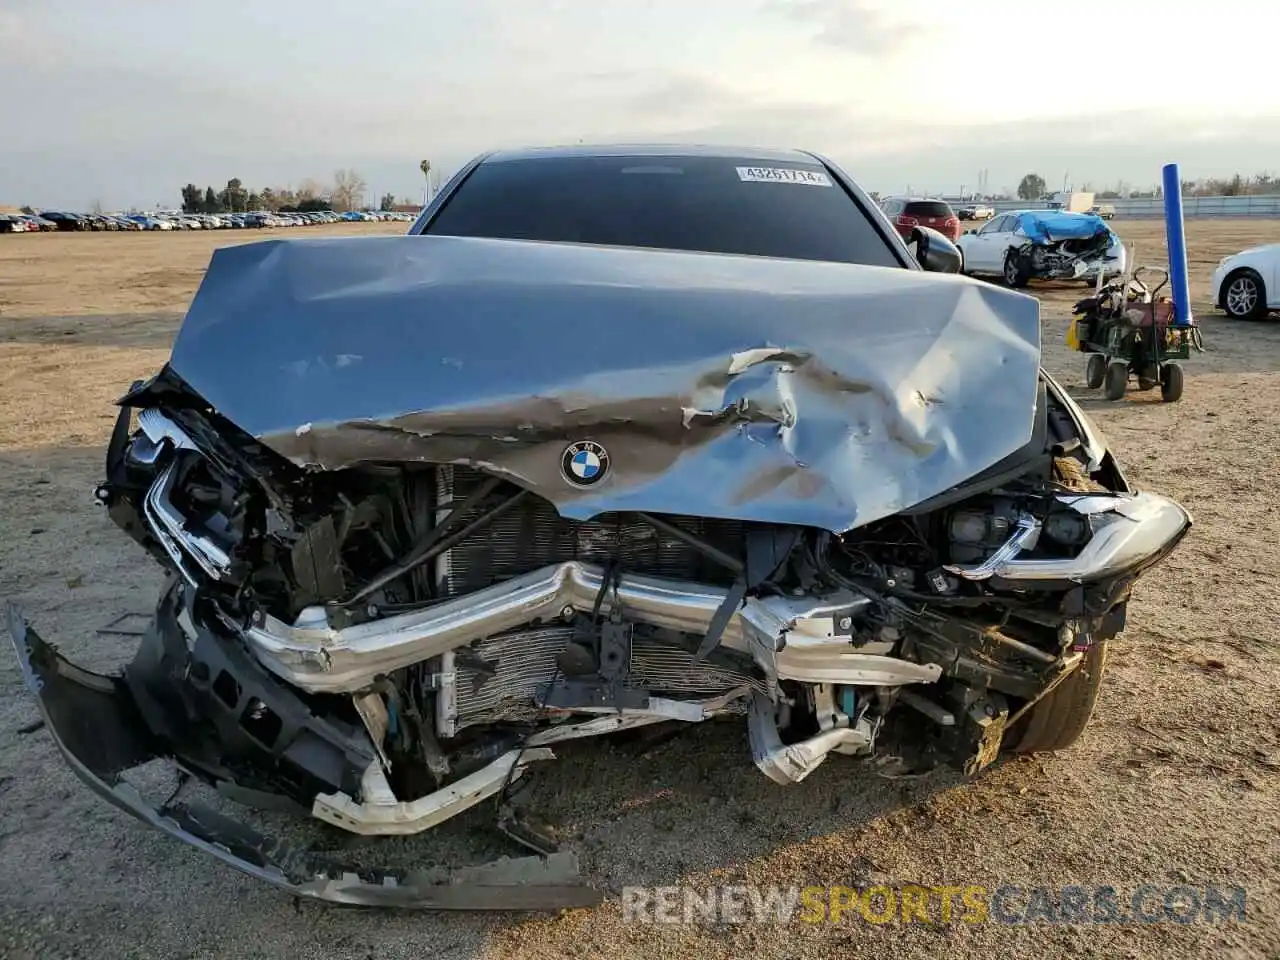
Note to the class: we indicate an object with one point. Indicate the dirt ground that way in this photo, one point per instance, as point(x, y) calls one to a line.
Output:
point(1176, 782)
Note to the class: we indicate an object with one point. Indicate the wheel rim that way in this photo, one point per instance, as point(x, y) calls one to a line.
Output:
point(1010, 271)
point(1242, 296)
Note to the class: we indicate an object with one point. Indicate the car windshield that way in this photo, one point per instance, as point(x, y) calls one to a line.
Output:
point(707, 204)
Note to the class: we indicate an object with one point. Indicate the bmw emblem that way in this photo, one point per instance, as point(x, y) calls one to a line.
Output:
point(584, 463)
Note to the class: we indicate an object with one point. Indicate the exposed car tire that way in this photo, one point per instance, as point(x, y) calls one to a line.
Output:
point(1244, 296)
point(1116, 380)
point(1015, 273)
point(1171, 376)
point(1095, 371)
point(1057, 721)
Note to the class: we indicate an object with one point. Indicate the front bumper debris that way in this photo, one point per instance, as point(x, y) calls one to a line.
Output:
point(101, 734)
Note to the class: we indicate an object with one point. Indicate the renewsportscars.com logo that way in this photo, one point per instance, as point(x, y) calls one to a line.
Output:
point(972, 904)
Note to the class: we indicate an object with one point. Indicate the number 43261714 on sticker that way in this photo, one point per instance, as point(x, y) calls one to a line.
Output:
point(813, 178)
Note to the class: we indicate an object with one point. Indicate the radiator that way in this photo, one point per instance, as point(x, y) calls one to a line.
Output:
point(534, 535)
point(498, 679)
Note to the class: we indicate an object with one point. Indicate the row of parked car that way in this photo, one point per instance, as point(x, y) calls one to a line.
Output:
point(49, 220)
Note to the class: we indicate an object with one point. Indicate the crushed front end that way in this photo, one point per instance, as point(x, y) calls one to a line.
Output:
point(1067, 246)
point(387, 621)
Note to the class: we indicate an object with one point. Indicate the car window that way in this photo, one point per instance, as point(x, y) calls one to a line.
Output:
point(929, 208)
point(994, 225)
point(709, 204)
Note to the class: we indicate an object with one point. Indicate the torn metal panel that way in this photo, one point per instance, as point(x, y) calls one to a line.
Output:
point(785, 763)
point(780, 391)
point(96, 726)
point(382, 814)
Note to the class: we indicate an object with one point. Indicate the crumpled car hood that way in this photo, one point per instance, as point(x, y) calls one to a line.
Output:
point(779, 391)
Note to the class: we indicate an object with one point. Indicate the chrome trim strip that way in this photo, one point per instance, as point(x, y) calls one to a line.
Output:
point(170, 528)
point(1024, 537)
point(1137, 527)
point(158, 427)
point(779, 633)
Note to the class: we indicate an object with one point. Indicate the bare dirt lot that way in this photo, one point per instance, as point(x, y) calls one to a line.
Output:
point(1176, 782)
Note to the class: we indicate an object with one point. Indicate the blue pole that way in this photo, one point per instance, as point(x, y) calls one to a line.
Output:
point(1175, 234)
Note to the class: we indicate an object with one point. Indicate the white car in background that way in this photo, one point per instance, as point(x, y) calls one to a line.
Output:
point(1025, 245)
point(1246, 285)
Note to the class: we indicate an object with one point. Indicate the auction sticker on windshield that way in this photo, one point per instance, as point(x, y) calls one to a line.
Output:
point(812, 178)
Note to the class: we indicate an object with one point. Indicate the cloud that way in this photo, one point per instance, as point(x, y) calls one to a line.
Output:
point(851, 26)
point(119, 119)
point(20, 36)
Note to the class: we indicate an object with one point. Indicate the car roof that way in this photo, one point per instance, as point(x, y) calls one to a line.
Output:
point(918, 199)
point(1056, 213)
point(652, 150)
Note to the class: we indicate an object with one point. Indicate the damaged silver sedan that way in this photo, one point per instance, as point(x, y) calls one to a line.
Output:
point(615, 437)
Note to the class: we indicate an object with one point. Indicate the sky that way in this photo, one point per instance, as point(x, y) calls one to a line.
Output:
point(121, 102)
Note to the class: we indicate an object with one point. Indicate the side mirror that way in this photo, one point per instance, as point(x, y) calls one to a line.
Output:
point(934, 252)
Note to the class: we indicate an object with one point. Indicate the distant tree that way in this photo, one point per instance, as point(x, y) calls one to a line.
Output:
point(312, 205)
point(268, 199)
point(348, 190)
point(1031, 187)
point(234, 198)
point(1109, 195)
point(211, 202)
point(191, 199)
point(388, 201)
point(310, 190)
point(254, 202)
